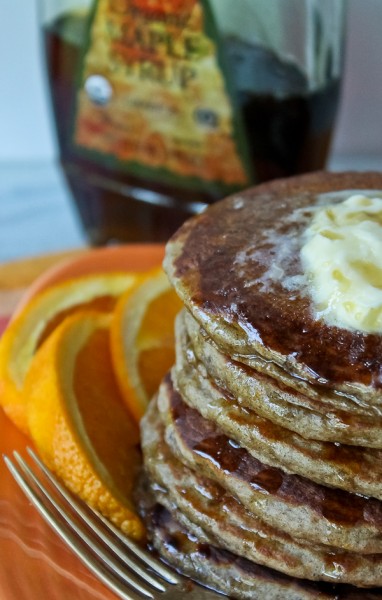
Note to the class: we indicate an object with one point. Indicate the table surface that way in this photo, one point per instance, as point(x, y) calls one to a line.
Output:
point(37, 215)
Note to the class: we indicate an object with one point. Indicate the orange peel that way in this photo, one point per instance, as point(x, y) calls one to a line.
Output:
point(38, 318)
point(79, 422)
point(142, 338)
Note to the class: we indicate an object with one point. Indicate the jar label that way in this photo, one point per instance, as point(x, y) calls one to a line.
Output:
point(154, 96)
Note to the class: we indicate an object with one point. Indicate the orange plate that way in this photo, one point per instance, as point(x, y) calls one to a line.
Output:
point(34, 562)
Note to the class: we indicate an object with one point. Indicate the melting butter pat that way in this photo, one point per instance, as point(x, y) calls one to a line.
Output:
point(342, 257)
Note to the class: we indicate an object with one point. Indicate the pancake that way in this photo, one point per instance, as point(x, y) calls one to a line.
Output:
point(263, 450)
point(200, 505)
point(230, 574)
point(223, 571)
point(237, 269)
point(289, 503)
point(351, 468)
point(333, 418)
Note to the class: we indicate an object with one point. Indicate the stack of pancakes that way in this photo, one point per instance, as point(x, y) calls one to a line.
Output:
point(263, 448)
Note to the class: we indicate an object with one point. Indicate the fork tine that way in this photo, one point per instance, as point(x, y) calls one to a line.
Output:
point(66, 533)
point(84, 513)
point(158, 567)
point(91, 542)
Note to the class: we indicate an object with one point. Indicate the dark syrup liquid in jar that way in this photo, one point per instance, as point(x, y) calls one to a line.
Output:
point(288, 132)
point(289, 126)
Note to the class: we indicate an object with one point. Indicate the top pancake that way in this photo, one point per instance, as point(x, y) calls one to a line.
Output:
point(237, 268)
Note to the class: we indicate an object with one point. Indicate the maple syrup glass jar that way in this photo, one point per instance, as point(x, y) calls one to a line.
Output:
point(164, 106)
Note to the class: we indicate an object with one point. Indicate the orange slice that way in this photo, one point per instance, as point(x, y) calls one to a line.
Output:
point(39, 317)
point(80, 423)
point(142, 338)
point(113, 259)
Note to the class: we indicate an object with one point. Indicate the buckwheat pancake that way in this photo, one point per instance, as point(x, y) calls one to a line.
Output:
point(332, 418)
point(216, 518)
point(290, 503)
point(230, 574)
point(351, 468)
point(226, 572)
point(263, 449)
point(237, 269)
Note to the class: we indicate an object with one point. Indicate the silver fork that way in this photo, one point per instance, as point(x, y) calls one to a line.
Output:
point(131, 572)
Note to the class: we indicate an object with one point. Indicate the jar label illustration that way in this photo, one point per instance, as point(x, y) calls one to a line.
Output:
point(154, 95)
